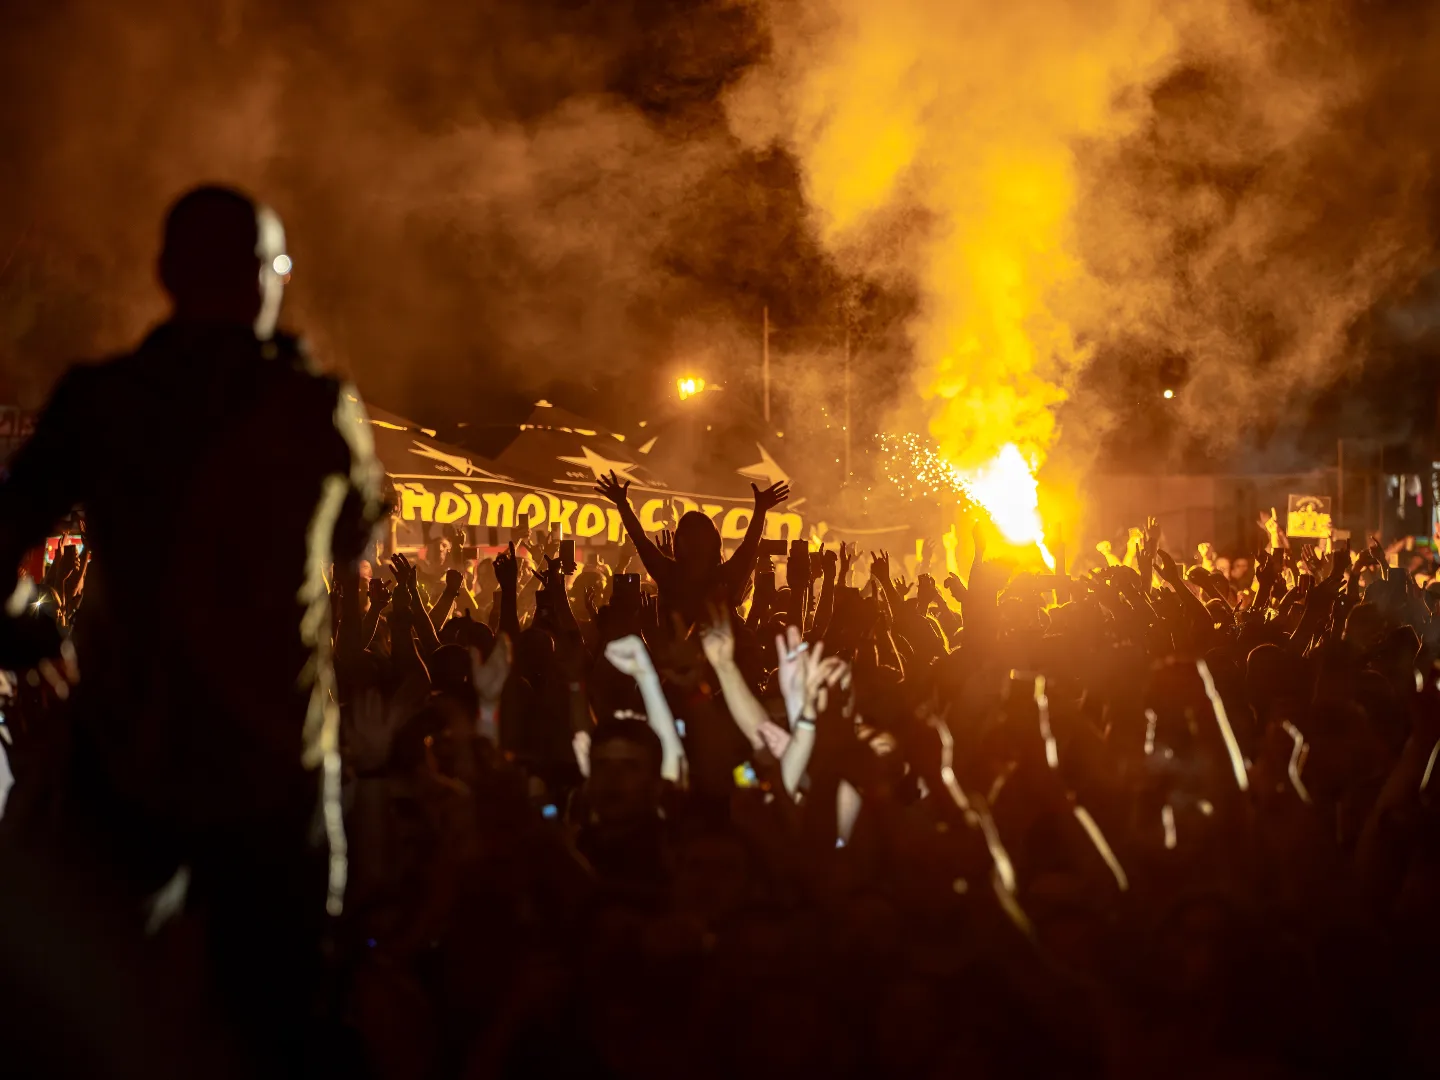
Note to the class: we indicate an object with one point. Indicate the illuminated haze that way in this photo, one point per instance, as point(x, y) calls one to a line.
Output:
point(1024, 207)
point(1111, 185)
point(479, 197)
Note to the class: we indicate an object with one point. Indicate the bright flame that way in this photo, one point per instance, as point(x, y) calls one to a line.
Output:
point(967, 128)
point(689, 386)
point(1005, 486)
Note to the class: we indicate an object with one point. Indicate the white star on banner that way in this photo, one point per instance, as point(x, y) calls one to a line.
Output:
point(766, 469)
point(602, 465)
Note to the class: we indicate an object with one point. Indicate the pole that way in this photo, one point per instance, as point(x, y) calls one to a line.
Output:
point(846, 478)
point(765, 359)
point(1340, 483)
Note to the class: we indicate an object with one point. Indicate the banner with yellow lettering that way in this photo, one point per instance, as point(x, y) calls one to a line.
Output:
point(445, 485)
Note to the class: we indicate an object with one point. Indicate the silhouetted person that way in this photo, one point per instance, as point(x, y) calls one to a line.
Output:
point(220, 476)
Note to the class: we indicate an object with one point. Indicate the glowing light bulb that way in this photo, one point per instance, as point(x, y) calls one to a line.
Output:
point(282, 265)
point(689, 386)
point(1168, 393)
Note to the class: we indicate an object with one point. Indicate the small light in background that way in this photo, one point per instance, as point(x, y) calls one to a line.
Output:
point(282, 265)
point(689, 386)
point(1168, 393)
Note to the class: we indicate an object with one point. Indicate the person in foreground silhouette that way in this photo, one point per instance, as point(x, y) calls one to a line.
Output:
point(219, 476)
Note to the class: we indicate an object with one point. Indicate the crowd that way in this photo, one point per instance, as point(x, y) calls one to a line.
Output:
point(289, 801)
point(1147, 820)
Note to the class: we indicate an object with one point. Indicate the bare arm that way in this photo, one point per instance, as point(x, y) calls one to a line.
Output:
point(828, 588)
point(628, 654)
point(743, 561)
point(651, 557)
point(718, 641)
point(507, 573)
point(440, 610)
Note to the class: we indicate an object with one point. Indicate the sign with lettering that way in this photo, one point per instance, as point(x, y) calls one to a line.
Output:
point(1308, 517)
point(444, 485)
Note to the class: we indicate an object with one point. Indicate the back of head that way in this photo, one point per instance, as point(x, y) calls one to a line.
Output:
point(220, 260)
point(632, 732)
point(450, 670)
point(1365, 626)
point(1270, 674)
point(697, 541)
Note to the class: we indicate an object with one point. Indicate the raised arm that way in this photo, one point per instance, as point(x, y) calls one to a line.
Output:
point(440, 610)
point(628, 654)
point(830, 582)
point(718, 641)
point(379, 598)
point(507, 573)
point(740, 565)
point(428, 640)
point(654, 561)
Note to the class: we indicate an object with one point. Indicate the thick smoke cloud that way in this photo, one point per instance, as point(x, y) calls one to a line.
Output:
point(480, 197)
point(1025, 211)
point(1095, 196)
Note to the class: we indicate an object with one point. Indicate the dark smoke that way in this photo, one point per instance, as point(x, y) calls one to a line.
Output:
point(481, 198)
point(485, 199)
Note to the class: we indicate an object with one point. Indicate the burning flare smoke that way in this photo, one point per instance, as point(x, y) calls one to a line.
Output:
point(1057, 176)
point(939, 134)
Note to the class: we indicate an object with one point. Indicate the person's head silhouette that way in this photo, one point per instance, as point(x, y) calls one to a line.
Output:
point(224, 260)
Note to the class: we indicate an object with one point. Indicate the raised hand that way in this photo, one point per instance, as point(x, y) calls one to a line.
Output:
point(929, 592)
point(1150, 537)
point(629, 656)
point(454, 579)
point(370, 730)
point(1206, 553)
point(956, 587)
point(489, 677)
point(791, 649)
point(1270, 525)
point(611, 487)
point(1267, 569)
point(507, 570)
point(1167, 568)
point(1378, 556)
point(821, 674)
point(718, 640)
point(831, 561)
point(379, 593)
point(404, 572)
point(1340, 561)
point(666, 543)
point(847, 556)
point(771, 497)
point(649, 616)
point(1149, 541)
point(880, 566)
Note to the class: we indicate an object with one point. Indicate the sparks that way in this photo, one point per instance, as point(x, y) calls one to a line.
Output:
point(1004, 487)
